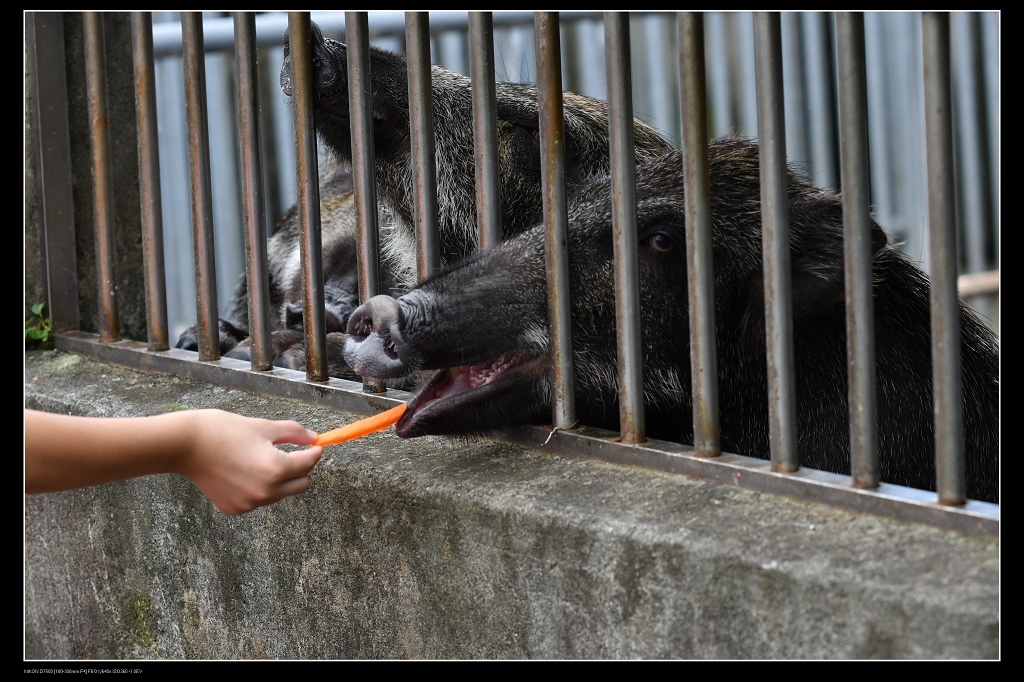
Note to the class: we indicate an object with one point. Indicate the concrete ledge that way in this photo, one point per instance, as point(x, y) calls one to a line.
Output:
point(440, 548)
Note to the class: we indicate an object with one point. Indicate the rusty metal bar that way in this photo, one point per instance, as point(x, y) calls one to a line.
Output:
point(707, 433)
point(44, 33)
point(485, 135)
point(308, 201)
point(950, 462)
point(194, 65)
point(778, 308)
point(102, 182)
point(149, 181)
point(857, 249)
point(627, 275)
point(552, 166)
point(360, 101)
point(421, 132)
point(250, 166)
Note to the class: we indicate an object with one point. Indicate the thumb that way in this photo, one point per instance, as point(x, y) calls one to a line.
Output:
point(303, 461)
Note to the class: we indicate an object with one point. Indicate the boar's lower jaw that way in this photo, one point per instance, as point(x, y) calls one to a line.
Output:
point(483, 389)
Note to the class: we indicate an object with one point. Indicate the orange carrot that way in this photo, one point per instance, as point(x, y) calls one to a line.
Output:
point(361, 427)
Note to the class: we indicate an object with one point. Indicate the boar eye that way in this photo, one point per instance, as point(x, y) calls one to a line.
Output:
point(523, 129)
point(661, 242)
point(532, 131)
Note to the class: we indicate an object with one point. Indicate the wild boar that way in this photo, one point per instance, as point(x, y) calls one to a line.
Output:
point(586, 154)
point(482, 325)
point(586, 146)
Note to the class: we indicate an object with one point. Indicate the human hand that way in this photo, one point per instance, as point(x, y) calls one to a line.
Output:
point(233, 461)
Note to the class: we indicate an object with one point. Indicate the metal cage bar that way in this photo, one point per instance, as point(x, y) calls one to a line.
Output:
point(149, 181)
point(707, 434)
point(942, 246)
point(421, 127)
point(860, 325)
point(485, 136)
point(360, 102)
point(102, 182)
point(771, 129)
point(627, 275)
point(250, 168)
point(552, 152)
point(308, 201)
point(193, 62)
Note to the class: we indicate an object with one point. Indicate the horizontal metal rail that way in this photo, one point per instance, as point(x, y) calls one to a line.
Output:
point(976, 283)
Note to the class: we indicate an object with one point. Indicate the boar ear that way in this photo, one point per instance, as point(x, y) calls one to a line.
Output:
point(817, 265)
point(818, 261)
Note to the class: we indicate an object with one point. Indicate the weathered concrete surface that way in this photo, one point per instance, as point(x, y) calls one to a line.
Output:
point(434, 548)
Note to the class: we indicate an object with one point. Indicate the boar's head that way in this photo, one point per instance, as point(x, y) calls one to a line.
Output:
point(482, 327)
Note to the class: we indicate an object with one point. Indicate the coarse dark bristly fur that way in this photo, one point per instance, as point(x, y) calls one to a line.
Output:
point(586, 146)
point(586, 154)
point(482, 325)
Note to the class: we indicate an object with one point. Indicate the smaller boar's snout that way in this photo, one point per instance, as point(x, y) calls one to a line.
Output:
point(374, 343)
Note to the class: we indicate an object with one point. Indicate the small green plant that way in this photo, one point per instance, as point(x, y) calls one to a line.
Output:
point(38, 332)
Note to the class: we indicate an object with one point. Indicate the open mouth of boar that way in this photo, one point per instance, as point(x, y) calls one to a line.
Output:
point(471, 397)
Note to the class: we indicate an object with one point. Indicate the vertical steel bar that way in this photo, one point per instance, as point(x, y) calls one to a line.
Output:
point(421, 131)
point(552, 154)
point(103, 211)
point(308, 200)
point(485, 135)
point(194, 65)
point(149, 181)
point(942, 248)
point(254, 220)
point(360, 100)
point(857, 249)
point(771, 130)
point(707, 434)
point(627, 275)
point(44, 32)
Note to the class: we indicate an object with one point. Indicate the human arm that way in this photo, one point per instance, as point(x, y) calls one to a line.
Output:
point(230, 458)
